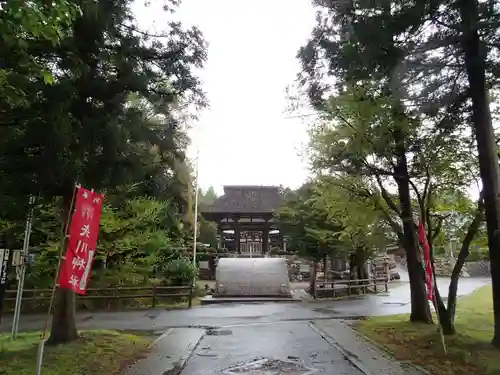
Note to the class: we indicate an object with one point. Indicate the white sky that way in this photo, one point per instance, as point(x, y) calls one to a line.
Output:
point(244, 138)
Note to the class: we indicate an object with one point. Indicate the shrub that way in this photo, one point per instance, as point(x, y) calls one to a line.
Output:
point(180, 272)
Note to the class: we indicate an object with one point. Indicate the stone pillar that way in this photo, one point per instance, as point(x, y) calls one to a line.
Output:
point(387, 271)
point(265, 240)
point(237, 239)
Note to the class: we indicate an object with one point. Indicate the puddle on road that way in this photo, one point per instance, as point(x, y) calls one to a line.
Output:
point(269, 366)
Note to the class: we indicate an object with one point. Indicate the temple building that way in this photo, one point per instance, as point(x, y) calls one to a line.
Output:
point(244, 217)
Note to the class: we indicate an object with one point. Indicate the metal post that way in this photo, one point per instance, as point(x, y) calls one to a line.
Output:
point(39, 357)
point(21, 271)
point(195, 221)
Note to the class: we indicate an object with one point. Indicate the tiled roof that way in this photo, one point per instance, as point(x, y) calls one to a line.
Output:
point(247, 199)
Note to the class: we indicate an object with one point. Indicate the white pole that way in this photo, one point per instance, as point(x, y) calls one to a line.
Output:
point(21, 270)
point(39, 357)
point(195, 221)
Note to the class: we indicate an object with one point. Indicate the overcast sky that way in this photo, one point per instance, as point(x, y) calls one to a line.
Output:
point(244, 138)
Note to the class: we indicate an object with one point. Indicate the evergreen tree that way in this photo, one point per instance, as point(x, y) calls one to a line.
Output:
point(433, 59)
point(108, 117)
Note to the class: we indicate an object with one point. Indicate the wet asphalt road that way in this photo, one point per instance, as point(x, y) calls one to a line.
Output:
point(280, 335)
point(287, 348)
point(258, 332)
point(397, 301)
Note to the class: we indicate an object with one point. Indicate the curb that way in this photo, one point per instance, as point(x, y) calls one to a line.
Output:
point(177, 370)
point(162, 336)
point(169, 353)
point(353, 359)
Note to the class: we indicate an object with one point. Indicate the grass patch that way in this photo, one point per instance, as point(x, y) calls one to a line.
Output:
point(95, 352)
point(469, 351)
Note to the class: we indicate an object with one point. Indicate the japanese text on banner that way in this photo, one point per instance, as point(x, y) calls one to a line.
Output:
point(82, 241)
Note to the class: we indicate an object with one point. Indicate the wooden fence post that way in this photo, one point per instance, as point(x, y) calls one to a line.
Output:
point(117, 299)
point(154, 296)
point(190, 303)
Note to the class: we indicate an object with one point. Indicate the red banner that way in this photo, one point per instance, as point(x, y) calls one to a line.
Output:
point(422, 239)
point(82, 242)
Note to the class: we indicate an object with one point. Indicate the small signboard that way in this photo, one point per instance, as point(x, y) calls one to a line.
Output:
point(4, 265)
point(17, 258)
point(203, 264)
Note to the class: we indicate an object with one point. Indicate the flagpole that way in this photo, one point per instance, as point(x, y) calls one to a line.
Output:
point(41, 344)
point(60, 259)
point(430, 279)
point(440, 329)
point(21, 270)
point(195, 219)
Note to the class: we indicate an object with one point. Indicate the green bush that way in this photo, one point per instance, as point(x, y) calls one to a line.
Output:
point(180, 272)
point(478, 254)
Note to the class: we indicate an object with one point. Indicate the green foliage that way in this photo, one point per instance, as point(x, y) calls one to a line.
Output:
point(88, 97)
point(453, 212)
point(208, 197)
point(110, 117)
point(207, 229)
point(22, 22)
point(207, 233)
point(138, 236)
point(325, 217)
point(363, 226)
point(399, 114)
point(180, 272)
point(478, 253)
point(307, 224)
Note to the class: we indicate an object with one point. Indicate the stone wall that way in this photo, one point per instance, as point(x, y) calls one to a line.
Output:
point(444, 267)
point(478, 269)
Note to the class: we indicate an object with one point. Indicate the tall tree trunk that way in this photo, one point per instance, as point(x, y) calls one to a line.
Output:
point(63, 321)
point(352, 267)
point(325, 267)
point(420, 311)
point(462, 257)
point(488, 160)
point(312, 281)
point(447, 313)
point(446, 320)
point(360, 265)
point(63, 327)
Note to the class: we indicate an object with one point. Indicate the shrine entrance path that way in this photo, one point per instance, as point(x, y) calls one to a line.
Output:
point(286, 348)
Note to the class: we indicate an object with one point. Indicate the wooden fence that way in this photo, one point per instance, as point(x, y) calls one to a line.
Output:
point(152, 294)
point(339, 287)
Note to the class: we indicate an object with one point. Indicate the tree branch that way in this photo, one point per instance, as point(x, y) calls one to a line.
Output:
point(463, 254)
point(439, 225)
point(392, 223)
point(386, 196)
point(419, 199)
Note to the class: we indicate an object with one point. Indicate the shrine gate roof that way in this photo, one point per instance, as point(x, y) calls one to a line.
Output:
point(247, 199)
